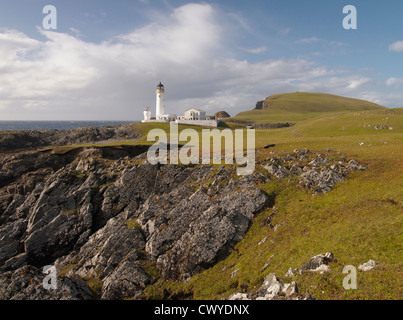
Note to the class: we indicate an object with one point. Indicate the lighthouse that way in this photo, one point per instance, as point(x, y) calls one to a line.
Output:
point(147, 115)
point(160, 107)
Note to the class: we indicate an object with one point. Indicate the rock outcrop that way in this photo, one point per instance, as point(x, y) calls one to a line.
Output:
point(316, 172)
point(111, 225)
point(273, 289)
point(318, 263)
point(26, 283)
point(221, 115)
point(368, 266)
point(21, 139)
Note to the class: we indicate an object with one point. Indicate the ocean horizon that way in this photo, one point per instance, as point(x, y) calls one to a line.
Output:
point(55, 125)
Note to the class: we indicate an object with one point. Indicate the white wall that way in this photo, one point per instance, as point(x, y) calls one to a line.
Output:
point(205, 123)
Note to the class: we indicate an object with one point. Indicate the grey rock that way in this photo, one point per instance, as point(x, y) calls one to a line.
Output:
point(368, 266)
point(273, 289)
point(277, 171)
point(21, 139)
point(26, 283)
point(262, 241)
point(355, 166)
point(271, 286)
point(291, 289)
point(105, 250)
point(239, 296)
point(291, 273)
point(233, 274)
point(320, 182)
point(317, 262)
point(126, 281)
point(211, 229)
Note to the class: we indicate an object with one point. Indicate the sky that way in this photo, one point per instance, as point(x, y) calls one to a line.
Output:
point(105, 58)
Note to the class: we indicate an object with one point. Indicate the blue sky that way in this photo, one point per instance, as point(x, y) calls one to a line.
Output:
point(106, 57)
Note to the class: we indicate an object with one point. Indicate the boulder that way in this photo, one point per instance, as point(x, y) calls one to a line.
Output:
point(368, 266)
point(273, 289)
point(221, 115)
point(355, 166)
point(318, 263)
point(291, 273)
point(26, 283)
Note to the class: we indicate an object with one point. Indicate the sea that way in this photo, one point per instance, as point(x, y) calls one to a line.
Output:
point(56, 125)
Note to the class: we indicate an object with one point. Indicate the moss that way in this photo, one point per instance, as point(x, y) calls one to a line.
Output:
point(66, 269)
point(132, 223)
point(168, 290)
point(150, 267)
point(73, 212)
point(95, 284)
point(78, 174)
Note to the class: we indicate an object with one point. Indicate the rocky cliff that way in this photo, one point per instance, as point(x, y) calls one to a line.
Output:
point(21, 139)
point(109, 222)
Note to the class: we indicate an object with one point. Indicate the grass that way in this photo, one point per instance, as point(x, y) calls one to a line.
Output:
point(95, 285)
point(361, 219)
point(303, 102)
point(132, 223)
point(294, 107)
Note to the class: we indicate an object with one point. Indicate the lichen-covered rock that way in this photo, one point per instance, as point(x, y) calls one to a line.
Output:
point(21, 139)
point(316, 172)
point(126, 281)
point(114, 226)
point(200, 229)
point(318, 263)
point(273, 289)
point(355, 166)
point(291, 273)
point(117, 224)
point(368, 266)
point(27, 283)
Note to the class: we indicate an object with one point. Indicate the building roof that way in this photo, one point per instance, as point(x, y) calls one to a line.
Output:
point(194, 110)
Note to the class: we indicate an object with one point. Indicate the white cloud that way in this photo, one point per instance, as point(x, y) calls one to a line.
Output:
point(308, 40)
point(396, 46)
point(258, 50)
point(357, 83)
point(65, 77)
point(394, 82)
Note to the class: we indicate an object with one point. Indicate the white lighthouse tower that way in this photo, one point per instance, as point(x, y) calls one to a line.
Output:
point(147, 115)
point(160, 102)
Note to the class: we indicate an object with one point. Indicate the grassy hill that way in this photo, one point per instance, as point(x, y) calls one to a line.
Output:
point(361, 219)
point(292, 107)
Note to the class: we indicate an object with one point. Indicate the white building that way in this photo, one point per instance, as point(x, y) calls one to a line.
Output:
point(192, 116)
point(147, 115)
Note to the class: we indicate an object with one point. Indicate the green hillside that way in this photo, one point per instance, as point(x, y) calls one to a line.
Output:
point(316, 102)
point(361, 219)
point(292, 107)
